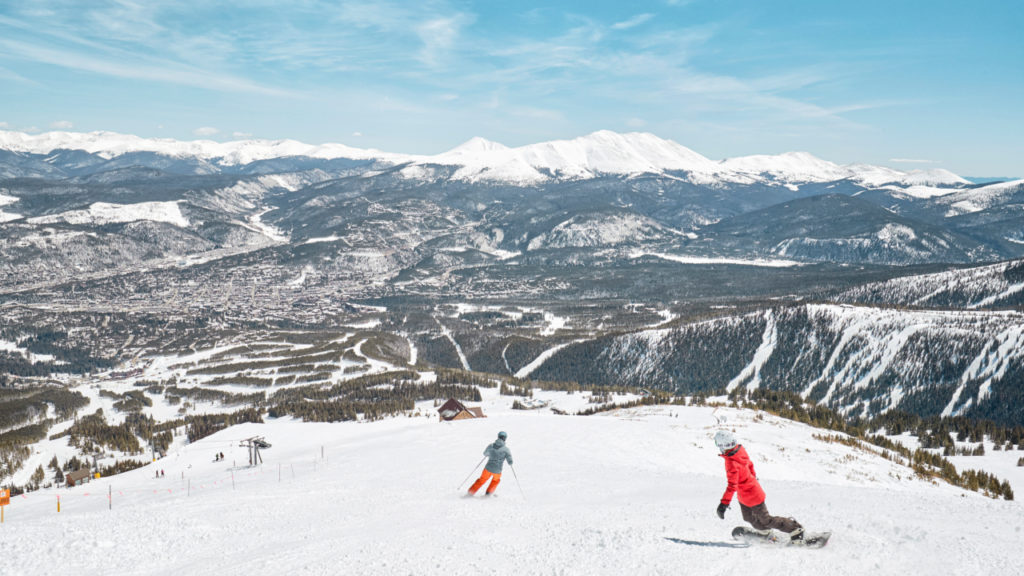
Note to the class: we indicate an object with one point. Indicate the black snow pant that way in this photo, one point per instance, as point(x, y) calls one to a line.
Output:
point(760, 519)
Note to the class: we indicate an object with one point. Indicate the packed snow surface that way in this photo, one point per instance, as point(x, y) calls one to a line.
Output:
point(629, 492)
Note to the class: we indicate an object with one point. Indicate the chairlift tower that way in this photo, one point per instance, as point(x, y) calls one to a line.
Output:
point(254, 444)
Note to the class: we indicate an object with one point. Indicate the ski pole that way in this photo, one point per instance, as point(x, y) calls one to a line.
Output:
point(516, 476)
point(471, 473)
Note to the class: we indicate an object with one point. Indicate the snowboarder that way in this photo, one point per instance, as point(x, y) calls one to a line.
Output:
point(742, 479)
point(496, 454)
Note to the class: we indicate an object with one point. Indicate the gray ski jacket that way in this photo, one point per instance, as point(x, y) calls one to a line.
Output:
point(496, 454)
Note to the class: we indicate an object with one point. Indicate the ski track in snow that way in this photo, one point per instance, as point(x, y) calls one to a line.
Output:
point(385, 500)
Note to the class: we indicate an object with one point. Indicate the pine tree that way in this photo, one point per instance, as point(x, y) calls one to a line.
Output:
point(38, 476)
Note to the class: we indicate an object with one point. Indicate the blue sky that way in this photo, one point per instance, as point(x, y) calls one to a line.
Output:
point(904, 84)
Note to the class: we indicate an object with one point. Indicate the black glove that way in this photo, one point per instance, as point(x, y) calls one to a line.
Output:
point(721, 510)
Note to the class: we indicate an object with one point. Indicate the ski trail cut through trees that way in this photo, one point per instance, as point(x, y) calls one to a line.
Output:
point(540, 360)
point(1013, 289)
point(761, 355)
point(458, 349)
point(505, 358)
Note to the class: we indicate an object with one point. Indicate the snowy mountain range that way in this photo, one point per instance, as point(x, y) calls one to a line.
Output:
point(604, 196)
point(293, 234)
point(479, 160)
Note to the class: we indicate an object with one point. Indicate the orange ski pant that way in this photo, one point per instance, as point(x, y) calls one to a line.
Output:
point(494, 478)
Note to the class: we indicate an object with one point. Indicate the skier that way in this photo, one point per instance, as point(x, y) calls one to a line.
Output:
point(496, 454)
point(743, 481)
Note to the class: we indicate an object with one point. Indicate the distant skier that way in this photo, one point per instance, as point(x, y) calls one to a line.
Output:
point(743, 482)
point(497, 453)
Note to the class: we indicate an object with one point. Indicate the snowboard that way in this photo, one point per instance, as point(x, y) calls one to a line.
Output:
point(773, 538)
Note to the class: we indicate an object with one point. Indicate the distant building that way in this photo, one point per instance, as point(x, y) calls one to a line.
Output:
point(455, 410)
point(77, 477)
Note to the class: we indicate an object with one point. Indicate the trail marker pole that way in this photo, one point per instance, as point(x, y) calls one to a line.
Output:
point(471, 473)
point(189, 493)
point(58, 503)
point(516, 476)
point(110, 497)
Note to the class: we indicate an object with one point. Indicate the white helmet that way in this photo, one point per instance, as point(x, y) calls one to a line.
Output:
point(725, 441)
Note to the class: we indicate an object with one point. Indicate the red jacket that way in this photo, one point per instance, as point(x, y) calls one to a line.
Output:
point(742, 479)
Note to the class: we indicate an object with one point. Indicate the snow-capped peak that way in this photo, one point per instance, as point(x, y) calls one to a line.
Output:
point(934, 177)
point(602, 152)
point(476, 145)
point(789, 167)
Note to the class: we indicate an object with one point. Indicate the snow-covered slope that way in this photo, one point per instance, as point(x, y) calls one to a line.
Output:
point(859, 361)
point(789, 167)
point(8, 216)
point(976, 200)
point(100, 213)
point(627, 492)
point(591, 230)
point(997, 285)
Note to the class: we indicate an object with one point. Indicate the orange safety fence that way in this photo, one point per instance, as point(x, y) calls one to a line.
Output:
point(186, 484)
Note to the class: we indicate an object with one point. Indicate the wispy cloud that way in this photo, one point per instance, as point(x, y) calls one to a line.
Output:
point(6, 74)
point(632, 22)
point(205, 131)
point(438, 37)
point(62, 125)
point(437, 61)
point(149, 69)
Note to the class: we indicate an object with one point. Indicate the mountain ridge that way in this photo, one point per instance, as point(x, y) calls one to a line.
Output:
point(481, 160)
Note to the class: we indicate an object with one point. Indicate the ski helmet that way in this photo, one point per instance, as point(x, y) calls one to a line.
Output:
point(502, 435)
point(725, 441)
